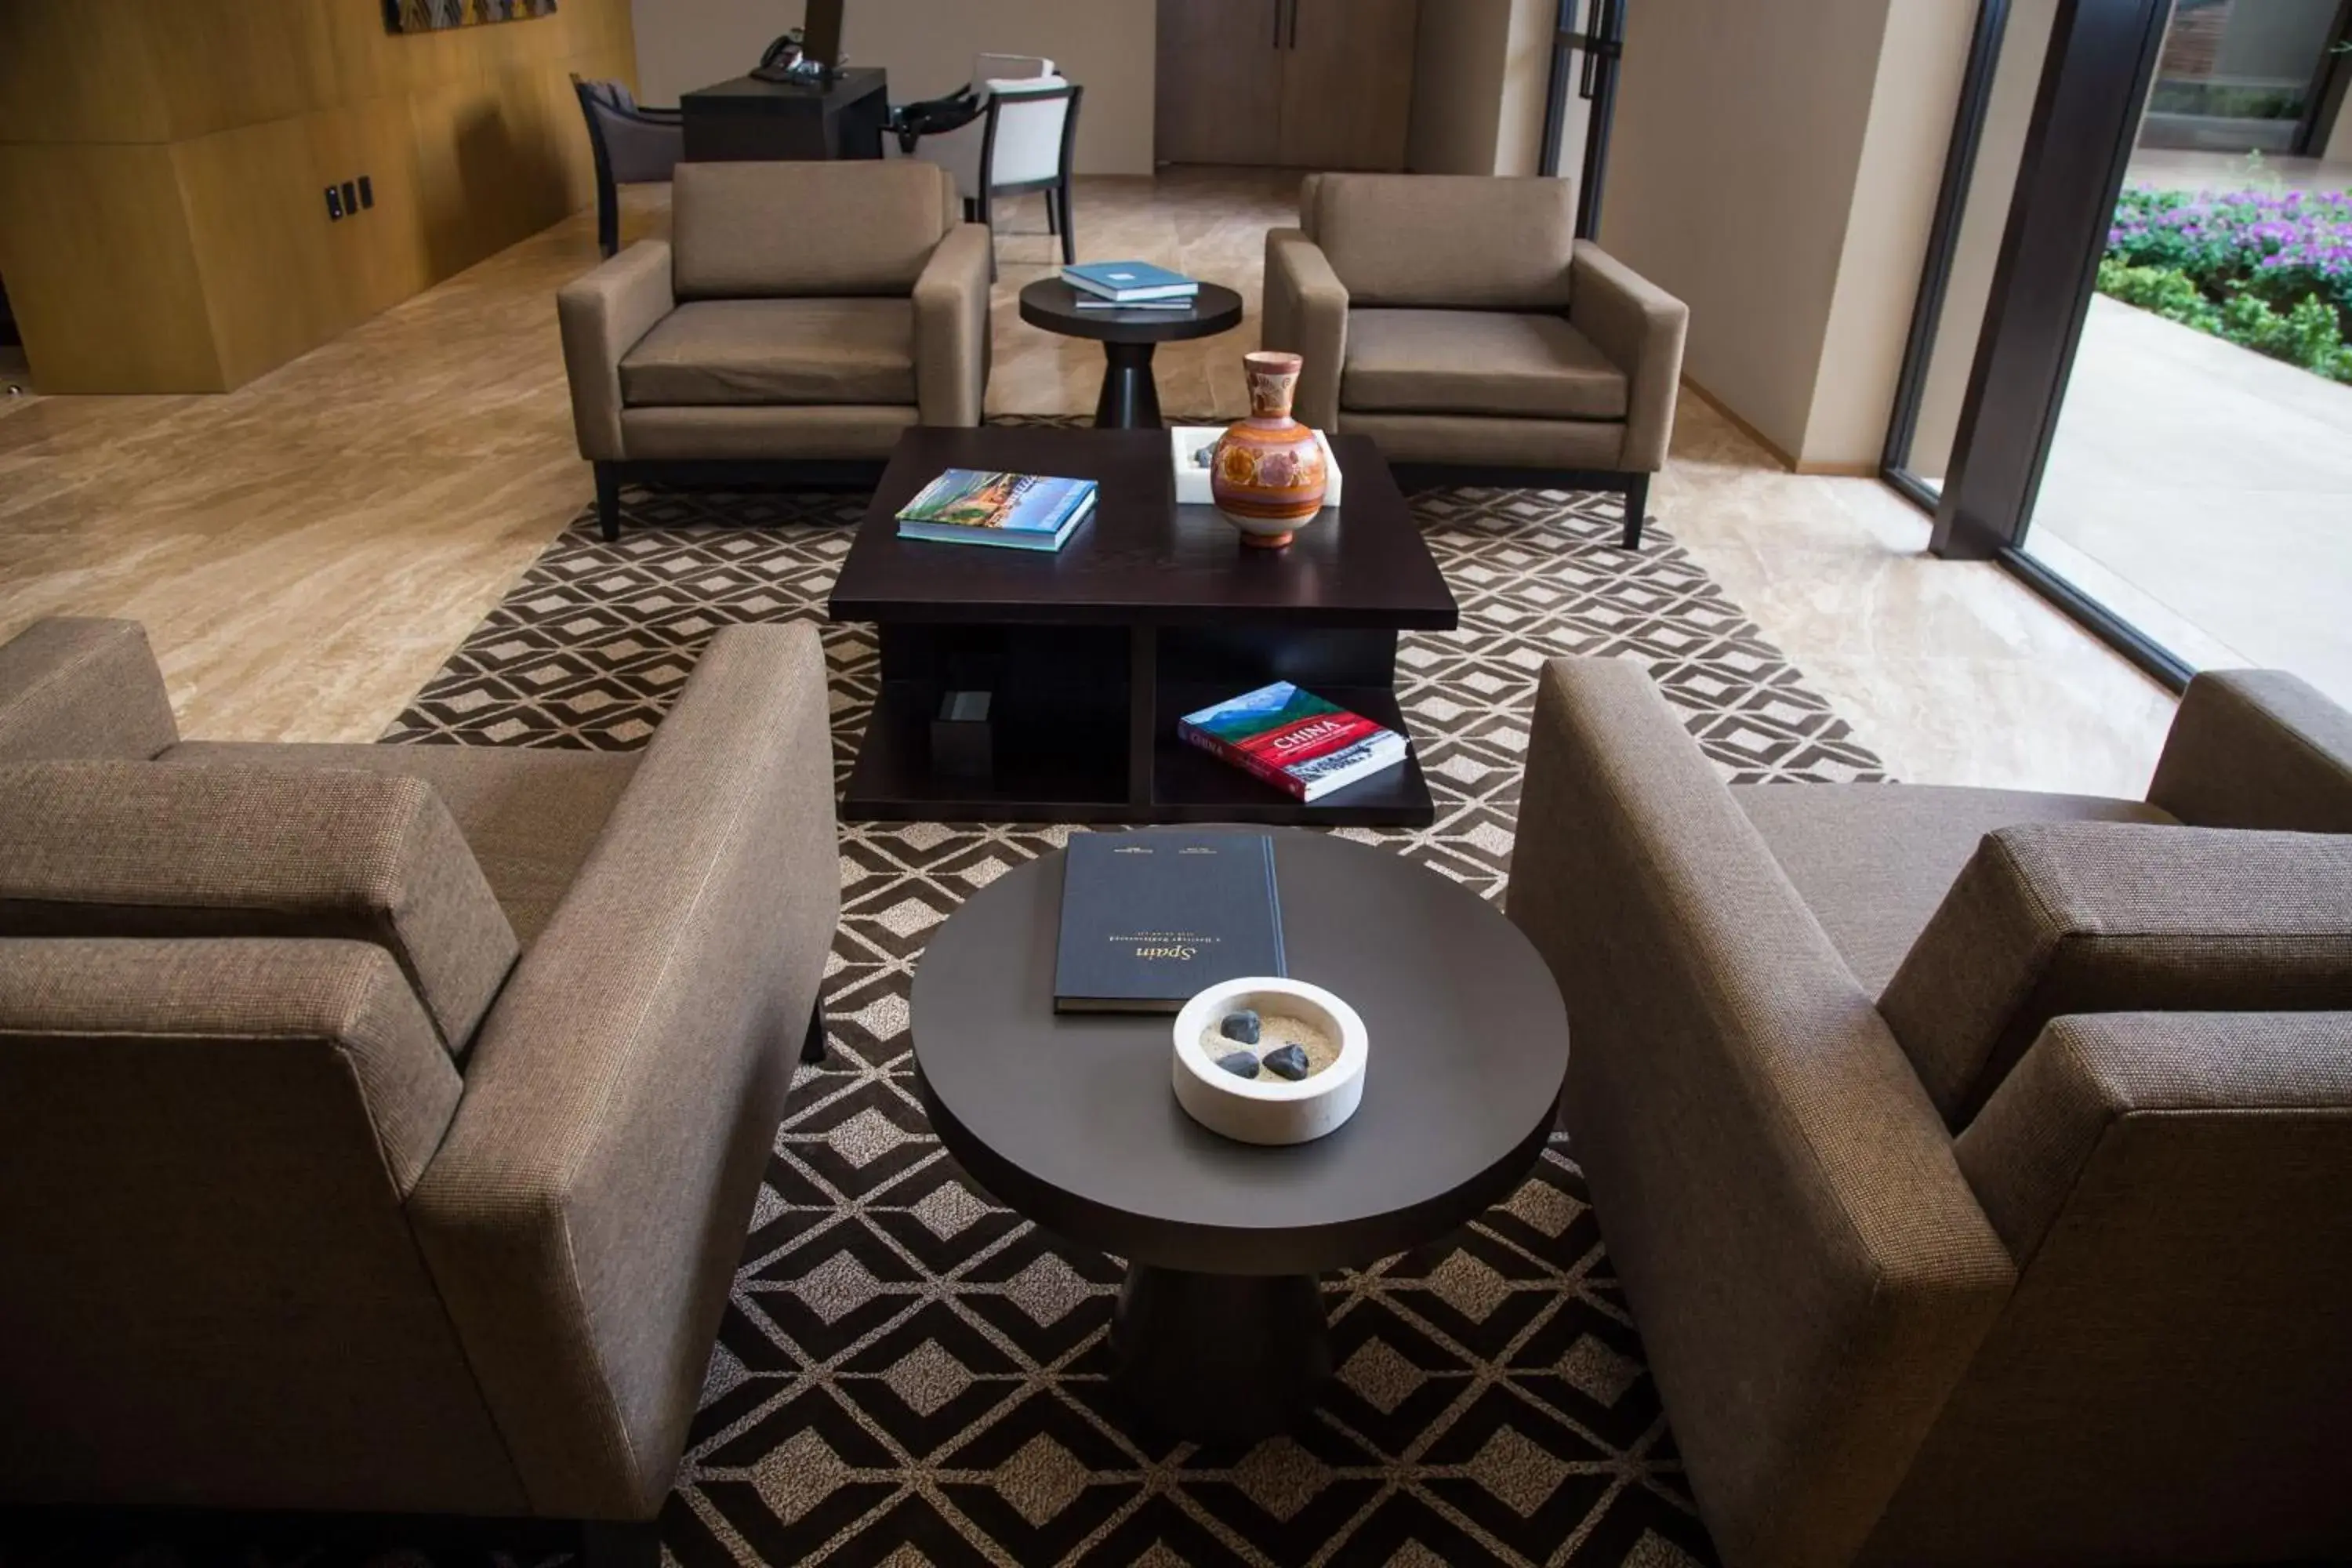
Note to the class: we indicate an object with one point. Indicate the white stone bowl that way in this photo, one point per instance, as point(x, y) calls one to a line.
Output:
point(1266, 1108)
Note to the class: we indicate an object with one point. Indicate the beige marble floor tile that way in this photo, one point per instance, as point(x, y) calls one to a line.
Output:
point(308, 550)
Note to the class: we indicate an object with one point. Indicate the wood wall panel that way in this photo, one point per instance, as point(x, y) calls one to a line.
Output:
point(208, 172)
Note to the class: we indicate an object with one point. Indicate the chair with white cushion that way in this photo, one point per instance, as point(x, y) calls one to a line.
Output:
point(1020, 143)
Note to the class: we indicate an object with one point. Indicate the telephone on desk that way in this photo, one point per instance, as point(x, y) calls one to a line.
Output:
point(807, 54)
point(784, 62)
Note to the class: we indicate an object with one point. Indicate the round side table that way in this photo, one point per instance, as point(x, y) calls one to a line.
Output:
point(1071, 1119)
point(1131, 399)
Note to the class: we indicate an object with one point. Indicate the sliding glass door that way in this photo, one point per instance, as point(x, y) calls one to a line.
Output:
point(2127, 379)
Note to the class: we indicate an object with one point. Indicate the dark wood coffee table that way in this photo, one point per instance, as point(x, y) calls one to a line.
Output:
point(1131, 397)
point(1151, 611)
point(1070, 1118)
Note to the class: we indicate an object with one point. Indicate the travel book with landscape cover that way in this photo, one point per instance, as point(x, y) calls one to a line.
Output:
point(1150, 918)
point(1294, 740)
point(1012, 512)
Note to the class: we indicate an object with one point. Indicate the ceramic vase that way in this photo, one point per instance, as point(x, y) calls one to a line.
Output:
point(1268, 475)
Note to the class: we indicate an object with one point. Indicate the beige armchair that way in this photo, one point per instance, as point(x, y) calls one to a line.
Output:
point(383, 1123)
point(1457, 320)
point(1978, 1165)
point(800, 316)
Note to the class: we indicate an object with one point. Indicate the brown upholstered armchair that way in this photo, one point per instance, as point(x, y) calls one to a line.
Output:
point(1457, 320)
point(799, 314)
point(1978, 1165)
point(381, 1124)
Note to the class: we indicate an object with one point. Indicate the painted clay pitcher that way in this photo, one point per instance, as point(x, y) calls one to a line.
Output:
point(1268, 475)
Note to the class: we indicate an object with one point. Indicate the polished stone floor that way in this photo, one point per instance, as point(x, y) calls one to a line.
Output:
point(308, 550)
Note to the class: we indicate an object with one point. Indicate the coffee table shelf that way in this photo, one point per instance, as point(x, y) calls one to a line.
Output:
point(1153, 611)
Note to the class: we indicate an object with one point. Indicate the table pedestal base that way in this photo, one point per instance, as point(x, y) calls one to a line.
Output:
point(1131, 397)
point(1219, 1357)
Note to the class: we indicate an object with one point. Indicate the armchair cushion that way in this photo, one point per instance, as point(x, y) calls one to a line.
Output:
point(75, 687)
point(529, 815)
point(762, 352)
point(1873, 860)
point(1463, 241)
point(2056, 918)
point(755, 231)
point(132, 849)
point(1476, 362)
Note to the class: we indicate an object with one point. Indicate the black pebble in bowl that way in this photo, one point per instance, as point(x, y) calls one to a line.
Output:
point(1241, 1064)
point(1286, 1061)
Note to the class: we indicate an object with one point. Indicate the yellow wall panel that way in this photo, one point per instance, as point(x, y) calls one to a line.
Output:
point(101, 271)
point(217, 245)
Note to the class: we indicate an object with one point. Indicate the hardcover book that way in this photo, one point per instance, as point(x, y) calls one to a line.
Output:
point(1150, 918)
point(1129, 280)
point(1294, 740)
point(1015, 511)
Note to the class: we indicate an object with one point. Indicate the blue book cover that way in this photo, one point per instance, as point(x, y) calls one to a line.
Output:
point(1150, 918)
point(1025, 511)
point(1129, 280)
point(1079, 509)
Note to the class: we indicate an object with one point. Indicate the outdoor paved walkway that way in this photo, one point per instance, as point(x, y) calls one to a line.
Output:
point(2204, 493)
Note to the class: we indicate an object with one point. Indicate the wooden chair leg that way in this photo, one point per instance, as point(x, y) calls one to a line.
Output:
point(1637, 503)
point(988, 217)
point(1060, 199)
point(608, 501)
point(608, 219)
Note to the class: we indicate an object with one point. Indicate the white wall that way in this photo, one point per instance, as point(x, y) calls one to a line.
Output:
point(926, 46)
point(1776, 167)
point(1480, 72)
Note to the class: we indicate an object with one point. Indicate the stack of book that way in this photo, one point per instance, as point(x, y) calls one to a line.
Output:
point(1294, 740)
point(1012, 512)
point(1129, 286)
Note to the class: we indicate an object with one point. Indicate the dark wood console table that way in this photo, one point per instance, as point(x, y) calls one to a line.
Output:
point(773, 120)
point(1151, 611)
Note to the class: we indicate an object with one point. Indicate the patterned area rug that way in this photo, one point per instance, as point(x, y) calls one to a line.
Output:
point(910, 1373)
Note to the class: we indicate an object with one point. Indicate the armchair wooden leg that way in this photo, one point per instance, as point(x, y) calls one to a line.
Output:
point(1637, 503)
point(608, 219)
point(987, 207)
point(1057, 200)
point(608, 501)
point(813, 1043)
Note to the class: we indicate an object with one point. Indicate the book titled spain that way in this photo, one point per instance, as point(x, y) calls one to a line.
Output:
point(1294, 740)
point(1149, 919)
point(1011, 512)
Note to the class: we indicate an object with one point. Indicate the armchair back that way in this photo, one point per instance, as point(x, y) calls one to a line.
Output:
point(1444, 241)
point(764, 231)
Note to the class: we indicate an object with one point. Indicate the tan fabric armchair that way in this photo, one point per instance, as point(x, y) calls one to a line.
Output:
point(1456, 319)
point(384, 1122)
point(800, 313)
point(2101, 1318)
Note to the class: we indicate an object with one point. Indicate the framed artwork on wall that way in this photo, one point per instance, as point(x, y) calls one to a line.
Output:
point(431, 15)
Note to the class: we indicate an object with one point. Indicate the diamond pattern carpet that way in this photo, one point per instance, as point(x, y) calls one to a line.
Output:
point(910, 1373)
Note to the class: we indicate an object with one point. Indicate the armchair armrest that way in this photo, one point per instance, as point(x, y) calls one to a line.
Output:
point(73, 687)
point(1811, 1271)
point(585, 1216)
point(2027, 1150)
point(603, 315)
point(2257, 748)
point(1307, 314)
point(1641, 328)
point(951, 329)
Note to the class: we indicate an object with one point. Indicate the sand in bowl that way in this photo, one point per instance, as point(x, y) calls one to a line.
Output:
point(1276, 1030)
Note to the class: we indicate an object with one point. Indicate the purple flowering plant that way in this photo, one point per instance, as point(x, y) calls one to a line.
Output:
point(2235, 262)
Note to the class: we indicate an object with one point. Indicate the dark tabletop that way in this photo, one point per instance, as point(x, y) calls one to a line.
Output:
point(1141, 559)
point(1051, 304)
point(1073, 1120)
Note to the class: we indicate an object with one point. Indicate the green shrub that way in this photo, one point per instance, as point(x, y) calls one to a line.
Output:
point(2269, 271)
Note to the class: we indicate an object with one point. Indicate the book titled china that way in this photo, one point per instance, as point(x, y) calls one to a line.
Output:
point(1294, 740)
point(1151, 919)
point(1011, 511)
